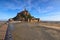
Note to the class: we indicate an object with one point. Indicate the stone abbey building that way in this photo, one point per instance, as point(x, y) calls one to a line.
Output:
point(25, 16)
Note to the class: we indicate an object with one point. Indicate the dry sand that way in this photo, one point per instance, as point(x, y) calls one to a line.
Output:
point(3, 30)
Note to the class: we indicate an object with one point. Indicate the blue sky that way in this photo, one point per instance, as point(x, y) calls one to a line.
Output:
point(47, 10)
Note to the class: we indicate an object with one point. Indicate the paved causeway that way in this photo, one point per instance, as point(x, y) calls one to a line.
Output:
point(30, 31)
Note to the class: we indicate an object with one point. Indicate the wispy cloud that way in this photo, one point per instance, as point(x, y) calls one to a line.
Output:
point(54, 16)
point(46, 8)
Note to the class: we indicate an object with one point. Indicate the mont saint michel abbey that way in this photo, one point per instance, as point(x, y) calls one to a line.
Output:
point(24, 16)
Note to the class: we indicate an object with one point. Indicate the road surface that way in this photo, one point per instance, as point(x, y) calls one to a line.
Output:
point(9, 32)
point(27, 31)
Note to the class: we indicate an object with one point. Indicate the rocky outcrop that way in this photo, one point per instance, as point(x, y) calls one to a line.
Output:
point(25, 16)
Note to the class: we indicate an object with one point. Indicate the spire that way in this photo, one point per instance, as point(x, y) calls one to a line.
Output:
point(25, 9)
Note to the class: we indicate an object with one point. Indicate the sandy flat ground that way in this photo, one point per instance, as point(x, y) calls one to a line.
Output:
point(3, 29)
point(51, 24)
point(33, 31)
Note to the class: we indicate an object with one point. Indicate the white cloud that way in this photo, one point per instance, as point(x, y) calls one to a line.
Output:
point(45, 10)
point(52, 17)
